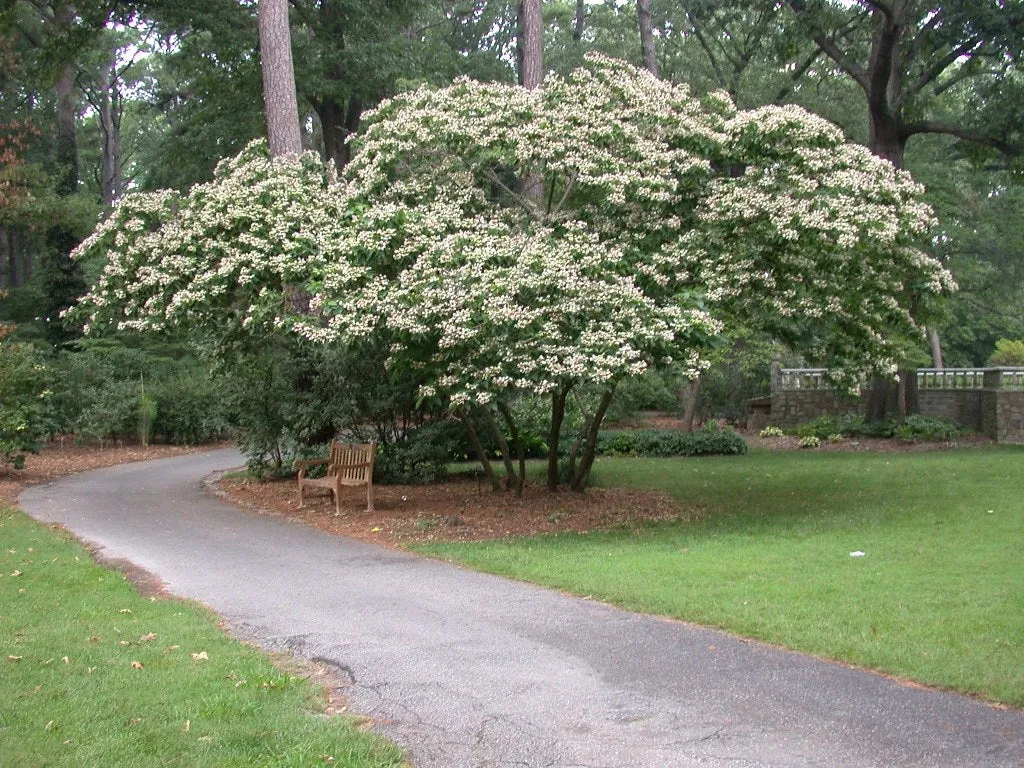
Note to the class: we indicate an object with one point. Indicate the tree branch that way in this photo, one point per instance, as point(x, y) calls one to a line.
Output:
point(877, 5)
point(795, 77)
point(934, 126)
point(829, 47)
point(943, 64)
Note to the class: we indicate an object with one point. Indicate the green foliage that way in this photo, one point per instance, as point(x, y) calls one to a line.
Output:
point(651, 391)
point(771, 431)
point(23, 392)
point(918, 428)
point(710, 440)
point(810, 441)
point(148, 410)
point(107, 388)
point(914, 428)
point(421, 456)
point(740, 371)
point(1008, 352)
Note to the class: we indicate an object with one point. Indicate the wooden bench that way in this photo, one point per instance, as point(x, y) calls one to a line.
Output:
point(349, 464)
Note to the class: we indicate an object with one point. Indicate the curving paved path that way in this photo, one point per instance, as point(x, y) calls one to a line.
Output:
point(467, 670)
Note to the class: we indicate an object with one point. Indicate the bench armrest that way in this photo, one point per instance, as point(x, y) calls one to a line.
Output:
point(307, 463)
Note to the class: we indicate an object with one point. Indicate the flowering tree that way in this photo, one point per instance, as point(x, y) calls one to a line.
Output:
point(660, 219)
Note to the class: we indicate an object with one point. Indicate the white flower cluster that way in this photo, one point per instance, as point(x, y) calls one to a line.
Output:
point(507, 239)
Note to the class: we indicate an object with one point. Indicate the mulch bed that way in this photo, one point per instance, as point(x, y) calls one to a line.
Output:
point(457, 510)
point(60, 458)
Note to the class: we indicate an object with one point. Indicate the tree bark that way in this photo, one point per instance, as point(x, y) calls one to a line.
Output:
point(511, 480)
point(67, 109)
point(582, 475)
point(110, 128)
point(581, 16)
point(643, 12)
point(517, 442)
point(474, 440)
point(557, 416)
point(280, 101)
point(531, 44)
point(935, 342)
point(692, 400)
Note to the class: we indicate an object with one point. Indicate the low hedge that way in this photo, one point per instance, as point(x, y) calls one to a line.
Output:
point(709, 441)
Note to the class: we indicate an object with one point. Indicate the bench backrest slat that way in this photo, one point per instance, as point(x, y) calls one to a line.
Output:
point(346, 459)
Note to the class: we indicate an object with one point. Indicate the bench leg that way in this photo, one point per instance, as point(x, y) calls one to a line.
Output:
point(301, 504)
point(369, 496)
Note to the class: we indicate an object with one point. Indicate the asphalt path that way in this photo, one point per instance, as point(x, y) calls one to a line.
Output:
point(466, 670)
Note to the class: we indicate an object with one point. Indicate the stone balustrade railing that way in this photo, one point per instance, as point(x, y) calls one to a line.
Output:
point(791, 379)
point(800, 378)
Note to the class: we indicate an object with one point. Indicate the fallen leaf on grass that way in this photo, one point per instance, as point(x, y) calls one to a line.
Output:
point(15, 573)
point(136, 665)
point(147, 637)
point(188, 726)
point(201, 656)
point(123, 642)
point(14, 658)
point(49, 726)
point(66, 660)
point(125, 610)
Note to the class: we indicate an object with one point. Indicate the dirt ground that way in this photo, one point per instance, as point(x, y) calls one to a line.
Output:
point(460, 509)
point(64, 457)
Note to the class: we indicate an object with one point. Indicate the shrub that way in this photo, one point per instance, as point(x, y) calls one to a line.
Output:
point(819, 428)
point(708, 441)
point(918, 428)
point(810, 441)
point(23, 392)
point(1008, 352)
point(421, 456)
point(914, 428)
point(771, 431)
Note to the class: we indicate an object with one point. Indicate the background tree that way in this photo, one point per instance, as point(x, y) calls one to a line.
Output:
point(279, 99)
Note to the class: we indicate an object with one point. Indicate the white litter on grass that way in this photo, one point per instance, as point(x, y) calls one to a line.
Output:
point(858, 553)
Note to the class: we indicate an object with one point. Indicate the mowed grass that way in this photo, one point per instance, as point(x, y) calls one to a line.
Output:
point(94, 674)
point(937, 598)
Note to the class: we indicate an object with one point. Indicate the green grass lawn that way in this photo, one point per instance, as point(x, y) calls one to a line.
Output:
point(938, 598)
point(93, 674)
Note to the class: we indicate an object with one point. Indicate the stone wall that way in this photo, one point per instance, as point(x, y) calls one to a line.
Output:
point(1009, 417)
point(992, 402)
point(963, 406)
point(796, 406)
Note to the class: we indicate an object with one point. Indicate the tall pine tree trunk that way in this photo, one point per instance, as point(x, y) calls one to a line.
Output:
point(280, 101)
point(531, 44)
point(110, 128)
point(643, 12)
point(63, 281)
